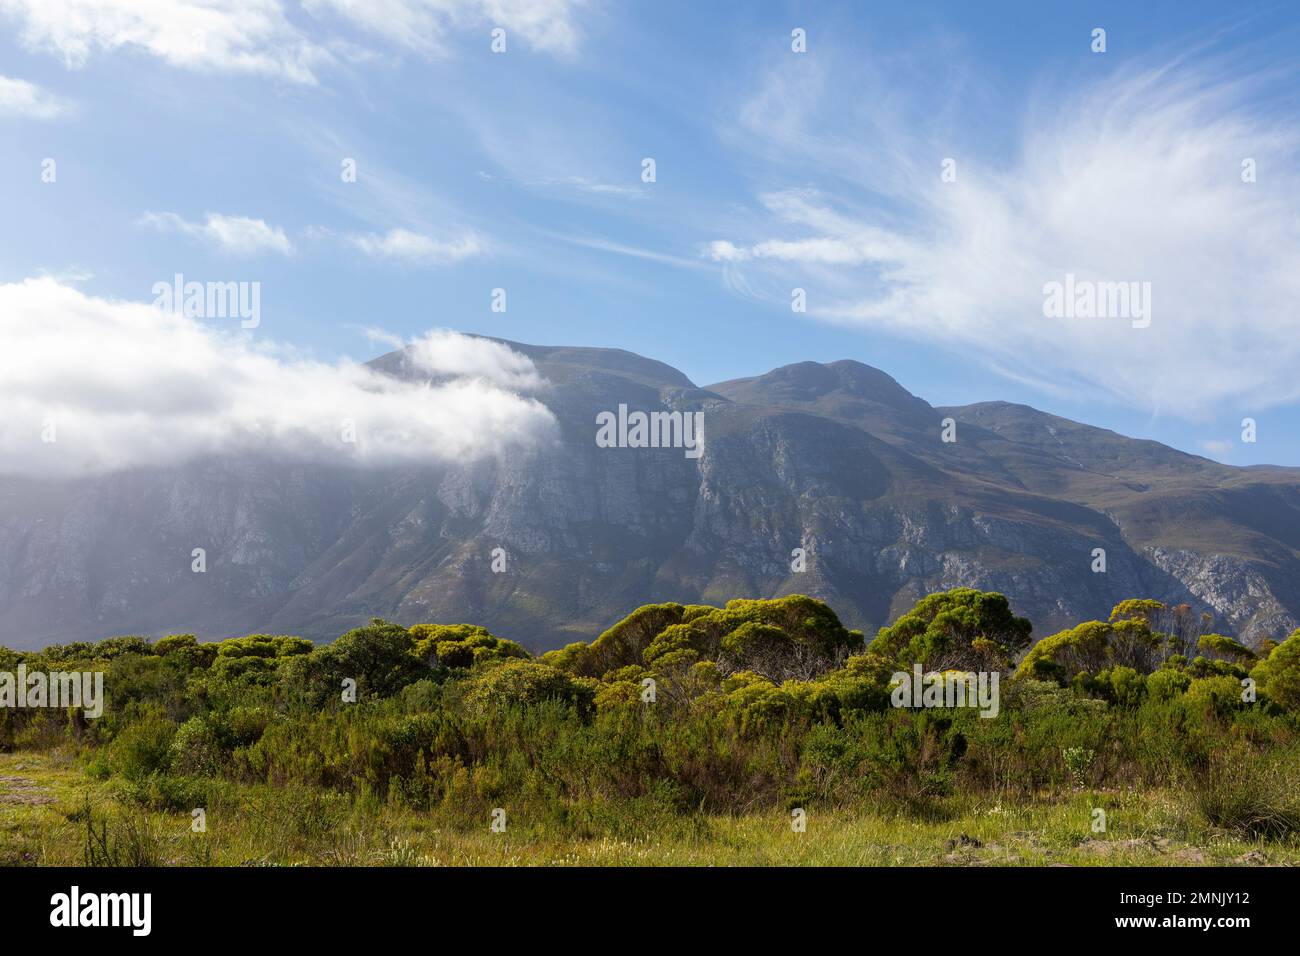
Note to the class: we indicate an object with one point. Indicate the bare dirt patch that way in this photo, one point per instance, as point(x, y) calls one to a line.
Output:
point(20, 790)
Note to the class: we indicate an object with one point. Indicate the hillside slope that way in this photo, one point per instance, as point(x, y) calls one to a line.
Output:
point(836, 459)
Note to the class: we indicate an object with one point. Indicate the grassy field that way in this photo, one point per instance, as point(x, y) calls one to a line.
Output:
point(54, 813)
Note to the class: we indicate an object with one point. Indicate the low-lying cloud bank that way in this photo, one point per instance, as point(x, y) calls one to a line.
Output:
point(91, 386)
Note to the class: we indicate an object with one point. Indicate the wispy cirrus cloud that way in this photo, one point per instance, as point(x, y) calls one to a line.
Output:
point(232, 36)
point(22, 98)
point(414, 248)
point(1136, 176)
point(236, 235)
point(260, 37)
point(550, 26)
point(622, 249)
point(586, 184)
point(93, 385)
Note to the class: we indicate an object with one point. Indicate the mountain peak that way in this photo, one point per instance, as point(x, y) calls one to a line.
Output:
point(562, 362)
point(843, 389)
point(838, 458)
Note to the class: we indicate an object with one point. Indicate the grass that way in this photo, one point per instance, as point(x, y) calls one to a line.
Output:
point(54, 813)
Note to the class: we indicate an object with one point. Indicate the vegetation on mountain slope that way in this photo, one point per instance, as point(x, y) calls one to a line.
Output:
point(679, 716)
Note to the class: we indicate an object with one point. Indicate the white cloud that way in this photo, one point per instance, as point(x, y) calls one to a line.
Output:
point(258, 36)
point(441, 353)
point(414, 248)
point(126, 385)
point(21, 98)
point(1217, 448)
point(422, 25)
point(721, 250)
point(839, 251)
point(1136, 178)
point(237, 235)
point(586, 184)
point(633, 252)
point(244, 36)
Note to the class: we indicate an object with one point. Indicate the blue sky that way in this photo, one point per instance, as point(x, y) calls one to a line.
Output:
point(208, 140)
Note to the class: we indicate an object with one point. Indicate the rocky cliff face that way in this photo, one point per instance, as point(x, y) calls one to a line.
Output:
point(836, 460)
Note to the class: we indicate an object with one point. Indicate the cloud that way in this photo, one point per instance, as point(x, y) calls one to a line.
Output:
point(634, 252)
point(413, 248)
point(1137, 177)
point(586, 184)
point(21, 98)
point(237, 235)
point(848, 251)
point(1217, 448)
point(441, 353)
point(720, 250)
point(124, 385)
point(241, 36)
point(422, 25)
point(258, 37)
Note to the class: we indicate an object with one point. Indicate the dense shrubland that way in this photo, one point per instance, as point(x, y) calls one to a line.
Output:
point(679, 710)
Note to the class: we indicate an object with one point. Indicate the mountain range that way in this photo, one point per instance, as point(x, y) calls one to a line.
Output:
point(836, 459)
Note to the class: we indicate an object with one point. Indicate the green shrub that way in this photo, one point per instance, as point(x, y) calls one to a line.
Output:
point(1251, 795)
point(759, 705)
point(1278, 675)
point(196, 749)
point(1167, 684)
point(461, 645)
point(1220, 695)
point(143, 747)
point(962, 628)
point(522, 683)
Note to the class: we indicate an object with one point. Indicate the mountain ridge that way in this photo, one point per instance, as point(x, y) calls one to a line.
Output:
point(837, 459)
